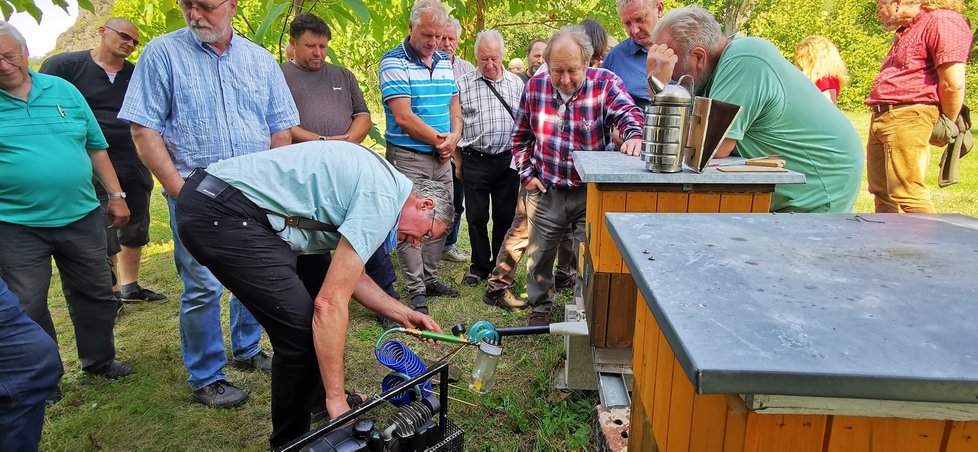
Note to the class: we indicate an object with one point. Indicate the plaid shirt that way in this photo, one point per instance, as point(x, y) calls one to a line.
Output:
point(486, 125)
point(548, 131)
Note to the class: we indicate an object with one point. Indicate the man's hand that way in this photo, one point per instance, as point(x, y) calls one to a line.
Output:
point(458, 170)
point(536, 185)
point(415, 319)
point(632, 147)
point(447, 147)
point(661, 62)
point(118, 213)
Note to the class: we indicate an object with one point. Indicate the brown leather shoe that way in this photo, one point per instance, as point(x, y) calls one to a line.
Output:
point(540, 319)
point(504, 299)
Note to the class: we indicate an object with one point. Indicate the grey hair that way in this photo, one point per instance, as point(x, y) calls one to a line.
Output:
point(494, 35)
point(690, 27)
point(454, 23)
point(624, 3)
point(433, 7)
point(444, 211)
point(575, 32)
point(7, 29)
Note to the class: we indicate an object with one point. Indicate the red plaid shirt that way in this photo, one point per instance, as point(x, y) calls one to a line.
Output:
point(909, 72)
point(548, 131)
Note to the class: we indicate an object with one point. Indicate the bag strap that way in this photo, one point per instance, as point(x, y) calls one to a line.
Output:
point(493, 89)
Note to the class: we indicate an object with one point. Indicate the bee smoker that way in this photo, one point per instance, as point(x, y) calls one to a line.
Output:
point(666, 127)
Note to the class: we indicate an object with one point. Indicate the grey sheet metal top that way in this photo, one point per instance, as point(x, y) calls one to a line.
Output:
point(618, 168)
point(876, 306)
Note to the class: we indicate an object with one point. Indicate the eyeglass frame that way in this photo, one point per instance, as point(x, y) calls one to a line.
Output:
point(12, 60)
point(125, 36)
point(202, 8)
point(431, 231)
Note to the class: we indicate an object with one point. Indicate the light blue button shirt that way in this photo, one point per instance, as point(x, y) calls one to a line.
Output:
point(335, 182)
point(208, 107)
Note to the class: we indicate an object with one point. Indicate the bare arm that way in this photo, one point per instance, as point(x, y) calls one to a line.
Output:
point(117, 210)
point(726, 147)
point(950, 88)
point(411, 123)
point(447, 147)
point(358, 130)
point(281, 138)
point(153, 153)
point(300, 135)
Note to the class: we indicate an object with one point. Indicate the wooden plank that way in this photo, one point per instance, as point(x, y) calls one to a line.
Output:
point(589, 292)
point(599, 308)
point(672, 202)
point(784, 432)
point(736, 203)
point(905, 435)
point(635, 422)
point(637, 201)
point(735, 431)
point(762, 203)
point(704, 203)
point(708, 422)
point(621, 312)
point(652, 334)
point(680, 410)
point(849, 434)
point(593, 219)
point(663, 391)
point(609, 258)
point(781, 404)
point(638, 343)
point(688, 188)
point(963, 437)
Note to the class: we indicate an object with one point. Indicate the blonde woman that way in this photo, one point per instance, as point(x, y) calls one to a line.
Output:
point(819, 59)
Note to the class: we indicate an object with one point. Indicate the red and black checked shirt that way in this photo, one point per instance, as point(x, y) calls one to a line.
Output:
point(545, 135)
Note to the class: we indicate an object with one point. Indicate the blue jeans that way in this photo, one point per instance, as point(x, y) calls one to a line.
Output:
point(29, 372)
point(201, 338)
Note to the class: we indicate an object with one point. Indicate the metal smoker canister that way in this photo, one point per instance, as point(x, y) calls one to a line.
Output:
point(663, 138)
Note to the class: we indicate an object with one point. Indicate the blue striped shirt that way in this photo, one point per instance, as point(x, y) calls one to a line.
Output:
point(208, 107)
point(403, 74)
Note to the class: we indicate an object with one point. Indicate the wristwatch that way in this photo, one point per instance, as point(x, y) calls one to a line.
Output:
point(120, 194)
point(321, 138)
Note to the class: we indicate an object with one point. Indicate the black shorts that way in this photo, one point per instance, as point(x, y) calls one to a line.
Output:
point(137, 182)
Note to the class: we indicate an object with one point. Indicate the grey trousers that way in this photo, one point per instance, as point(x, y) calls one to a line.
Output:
point(420, 265)
point(549, 215)
point(78, 249)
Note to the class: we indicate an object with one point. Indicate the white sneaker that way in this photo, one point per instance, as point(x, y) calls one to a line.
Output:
point(453, 254)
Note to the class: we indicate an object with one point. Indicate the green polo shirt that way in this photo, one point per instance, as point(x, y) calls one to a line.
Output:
point(45, 169)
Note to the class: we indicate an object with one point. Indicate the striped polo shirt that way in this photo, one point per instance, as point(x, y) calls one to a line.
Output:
point(403, 74)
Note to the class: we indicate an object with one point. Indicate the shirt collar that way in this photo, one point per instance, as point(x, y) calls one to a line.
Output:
point(632, 47)
point(414, 58)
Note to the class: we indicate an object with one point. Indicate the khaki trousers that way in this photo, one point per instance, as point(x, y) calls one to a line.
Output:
point(897, 155)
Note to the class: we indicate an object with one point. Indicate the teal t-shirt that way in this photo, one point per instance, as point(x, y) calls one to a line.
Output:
point(335, 182)
point(45, 170)
point(782, 112)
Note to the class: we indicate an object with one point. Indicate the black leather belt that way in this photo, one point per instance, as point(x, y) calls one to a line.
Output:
point(883, 108)
point(469, 152)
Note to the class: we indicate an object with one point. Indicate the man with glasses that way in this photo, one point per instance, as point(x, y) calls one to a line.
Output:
point(50, 146)
point(248, 217)
point(102, 76)
point(571, 107)
point(199, 95)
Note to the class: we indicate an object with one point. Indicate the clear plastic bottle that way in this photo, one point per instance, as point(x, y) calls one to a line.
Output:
point(484, 369)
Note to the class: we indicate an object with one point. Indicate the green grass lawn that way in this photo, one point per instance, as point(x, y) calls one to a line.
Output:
point(152, 409)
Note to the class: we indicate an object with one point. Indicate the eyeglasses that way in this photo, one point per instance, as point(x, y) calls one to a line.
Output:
point(12, 58)
point(431, 231)
point(187, 6)
point(125, 36)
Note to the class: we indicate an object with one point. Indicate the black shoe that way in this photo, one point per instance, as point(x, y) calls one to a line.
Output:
point(566, 283)
point(261, 361)
point(386, 323)
point(220, 394)
point(143, 294)
point(419, 303)
point(440, 290)
point(540, 319)
point(53, 398)
point(471, 279)
point(504, 299)
point(112, 370)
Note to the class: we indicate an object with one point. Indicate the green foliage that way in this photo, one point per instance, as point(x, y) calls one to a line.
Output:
point(9, 7)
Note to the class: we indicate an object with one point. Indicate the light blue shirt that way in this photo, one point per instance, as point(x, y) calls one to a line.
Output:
point(627, 60)
point(335, 182)
point(207, 106)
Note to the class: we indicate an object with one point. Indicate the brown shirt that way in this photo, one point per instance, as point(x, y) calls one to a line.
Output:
point(327, 99)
